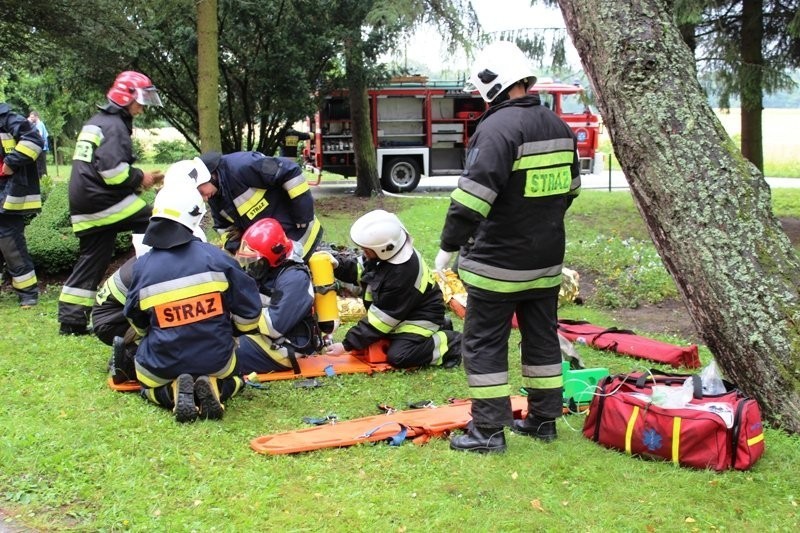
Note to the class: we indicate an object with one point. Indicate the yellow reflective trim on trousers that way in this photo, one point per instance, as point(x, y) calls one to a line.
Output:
point(77, 300)
point(471, 202)
point(494, 285)
point(24, 283)
point(541, 182)
point(484, 393)
point(294, 192)
point(553, 382)
point(184, 292)
point(543, 160)
point(113, 218)
point(21, 203)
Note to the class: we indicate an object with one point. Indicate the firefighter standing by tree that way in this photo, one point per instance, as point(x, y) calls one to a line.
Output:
point(187, 300)
point(404, 303)
point(19, 197)
point(287, 322)
point(104, 193)
point(248, 186)
point(521, 175)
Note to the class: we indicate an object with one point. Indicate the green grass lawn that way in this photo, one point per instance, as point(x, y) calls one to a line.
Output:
point(77, 456)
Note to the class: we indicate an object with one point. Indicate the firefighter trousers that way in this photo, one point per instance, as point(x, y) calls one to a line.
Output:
point(95, 253)
point(411, 351)
point(487, 327)
point(14, 250)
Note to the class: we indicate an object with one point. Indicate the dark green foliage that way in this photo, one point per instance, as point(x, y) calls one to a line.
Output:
point(51, 242)
point(171, 151)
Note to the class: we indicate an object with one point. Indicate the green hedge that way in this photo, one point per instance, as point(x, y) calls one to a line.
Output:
point(51, 242)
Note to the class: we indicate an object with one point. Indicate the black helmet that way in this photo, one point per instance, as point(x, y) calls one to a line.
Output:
point(211, 160)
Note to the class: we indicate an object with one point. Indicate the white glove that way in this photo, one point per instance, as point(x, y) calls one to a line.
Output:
point(337, 348)
point(443, 260)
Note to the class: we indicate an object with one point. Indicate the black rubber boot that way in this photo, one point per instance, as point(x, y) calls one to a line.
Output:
point(183, 395)
point(73, 329)
point(452, 358)
point(539, 428)
point(207, 396)
point(121, 367)
point(480, 440)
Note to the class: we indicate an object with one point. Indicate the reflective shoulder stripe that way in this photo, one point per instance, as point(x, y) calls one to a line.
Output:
point(91, 133)
point(251, 202)
point(544, 160)
point(543, 147)
point(181, 288)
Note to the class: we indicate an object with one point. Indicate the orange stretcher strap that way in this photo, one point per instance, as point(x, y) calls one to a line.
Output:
point(310, 367)
point(420, 424)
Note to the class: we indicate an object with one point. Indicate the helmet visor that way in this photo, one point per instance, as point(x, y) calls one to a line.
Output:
point(148, 96)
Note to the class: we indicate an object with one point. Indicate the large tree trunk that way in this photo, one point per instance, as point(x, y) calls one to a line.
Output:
point(367, 180)
point(707, 209)
point(751, 81)
point(208, 76)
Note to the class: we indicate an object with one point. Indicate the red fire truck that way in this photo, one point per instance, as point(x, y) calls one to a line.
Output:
point(422, 128)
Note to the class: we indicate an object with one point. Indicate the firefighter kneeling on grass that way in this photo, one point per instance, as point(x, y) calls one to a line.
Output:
point(188, 299)
point(287, 325)
point(404, 303)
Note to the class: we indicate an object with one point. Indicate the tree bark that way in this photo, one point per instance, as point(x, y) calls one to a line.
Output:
point(751, 81)
point(367, 179)
point(707, 209)
point(208, 75)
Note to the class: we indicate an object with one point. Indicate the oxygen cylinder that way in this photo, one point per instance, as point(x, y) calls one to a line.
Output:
point(325, 303)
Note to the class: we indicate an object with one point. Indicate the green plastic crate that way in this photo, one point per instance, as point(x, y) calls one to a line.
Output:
point(580, 385)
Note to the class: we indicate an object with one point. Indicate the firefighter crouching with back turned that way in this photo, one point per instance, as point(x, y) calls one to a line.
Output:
point(287, 325)
point(104, 194)
point(19, 197)
point(248, 186)
point(521, 174)
point(107, 318)
point(403, 301)
point(187, 300)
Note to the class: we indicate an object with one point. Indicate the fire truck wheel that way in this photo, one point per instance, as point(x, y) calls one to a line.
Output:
point(400, 174)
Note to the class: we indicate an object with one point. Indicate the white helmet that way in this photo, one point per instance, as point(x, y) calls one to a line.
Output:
point(497, 67)
point(383, 233)
point(180, 202)
point(188, 171)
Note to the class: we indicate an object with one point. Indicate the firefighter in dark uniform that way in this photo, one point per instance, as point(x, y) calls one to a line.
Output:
point(291, 140)
point(187, 300)
point(287, 324)
point(104, 194)
point(507, 217)
point(108, 318)
point(248, 186)
point(403, 301)
point(19, 197)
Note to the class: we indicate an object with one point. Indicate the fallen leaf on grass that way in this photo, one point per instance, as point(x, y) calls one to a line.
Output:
point(536, 504)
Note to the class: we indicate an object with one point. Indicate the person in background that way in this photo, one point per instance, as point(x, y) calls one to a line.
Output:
point(249, 186)
point(187, 300)
point(507, 218)
point(105, 194)
point(404, 303)
point(19, 197)
point(287, 324)
point(291, 142)
point(41, 161)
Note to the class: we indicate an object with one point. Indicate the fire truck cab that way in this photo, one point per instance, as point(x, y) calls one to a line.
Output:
point(423, 128)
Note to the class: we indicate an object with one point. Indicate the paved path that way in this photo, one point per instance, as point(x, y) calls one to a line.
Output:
point(445, 184)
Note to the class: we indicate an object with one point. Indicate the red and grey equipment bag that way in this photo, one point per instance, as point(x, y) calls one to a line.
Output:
point(719, 431)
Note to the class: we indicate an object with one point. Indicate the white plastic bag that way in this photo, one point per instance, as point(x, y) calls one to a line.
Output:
point(673, 397)
point(712, 380)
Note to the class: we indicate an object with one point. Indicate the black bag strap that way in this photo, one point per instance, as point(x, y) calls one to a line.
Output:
point(666, 378)
point(741, 401)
